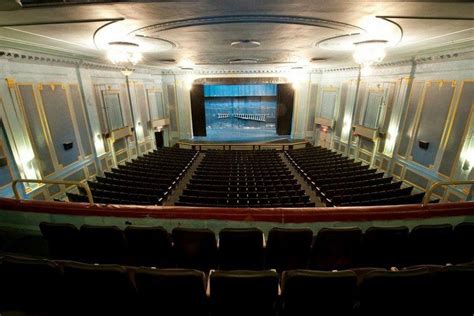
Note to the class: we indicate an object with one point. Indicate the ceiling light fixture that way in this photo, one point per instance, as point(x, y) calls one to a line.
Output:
point(367, 53)
point(124, 54)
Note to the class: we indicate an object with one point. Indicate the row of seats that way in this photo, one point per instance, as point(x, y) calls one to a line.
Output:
point(247, 248)
point(147, 180)
point(42, 287)
point(243, 179)
point(340, 181)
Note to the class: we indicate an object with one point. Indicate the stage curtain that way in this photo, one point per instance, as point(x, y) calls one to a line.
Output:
point(197, 110)
point(285, 97)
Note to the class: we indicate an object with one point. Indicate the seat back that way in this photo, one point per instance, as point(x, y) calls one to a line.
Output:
point(171, 292)
point(29, 285)
point(91, 289)
point(241, 249)
point(431, 244)
point(243, 293)
point(195, 248)
point(385, 246)
point(63, 240)
point(149, 246)
point(335, 248)
point(103, 244)
point(463, 237)
point(454, 290)
point(288, 248)
point(322, 292)
point(406, 292)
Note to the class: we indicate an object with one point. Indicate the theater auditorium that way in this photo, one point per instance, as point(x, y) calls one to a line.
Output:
point(231, 158)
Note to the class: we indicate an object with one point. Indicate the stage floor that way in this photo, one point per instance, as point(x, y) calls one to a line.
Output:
point(232, 135)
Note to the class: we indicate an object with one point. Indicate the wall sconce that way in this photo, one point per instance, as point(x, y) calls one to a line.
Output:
point(67, 146)
point(466, 166)
point(423, 144)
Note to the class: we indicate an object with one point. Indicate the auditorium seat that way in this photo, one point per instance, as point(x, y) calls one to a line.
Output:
point(171, 292)
point(241, 249)
point(64, 241)
point(288, 248)
point(91, 289)
point(385, 246)
point(237, 293)
point(103, 244)
point(395, 293)
point(463, 241)
point(431, 244)
point(149, 246)
point(453, 291)
point(195, 248)
point(306, 292)
point(29, 286)
point(335, 248)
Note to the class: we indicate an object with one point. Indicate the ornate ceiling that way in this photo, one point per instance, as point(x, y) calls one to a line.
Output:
point(199, 34)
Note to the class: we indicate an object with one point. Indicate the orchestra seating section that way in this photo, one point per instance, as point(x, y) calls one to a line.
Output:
point(244, 179)
point(258, 178)
point(148, 179)
point(340, 181)
point(354, 277)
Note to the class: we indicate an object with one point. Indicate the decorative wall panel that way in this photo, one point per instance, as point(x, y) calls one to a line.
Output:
point(172, 108)
point(328, 104)
point(384, 165)
point(54, 189)
point(37, 134)
point(122, 157)
point(92, 169)
point(416, 179)
point(436, 103)
point(407, 130)
point(454, 198)
point(440, 191)
point(113, 110)
point(372, 110)
point(59, 123)
point(77, 176)
point(120, 144)
point(342, 109)
point(388, 114)
point(99, 101)
point(454, 142)
point(397, 170)
point(313, 99)
point(360, 103)
point(364, 156)
point(5, 174)
point(125, 105)
point(366, 144)
point(143, 107)
point(81, 119)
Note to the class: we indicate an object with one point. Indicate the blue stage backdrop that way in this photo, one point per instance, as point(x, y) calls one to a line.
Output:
point(240, 111)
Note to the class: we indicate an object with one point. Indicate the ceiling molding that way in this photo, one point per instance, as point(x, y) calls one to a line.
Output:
point(226, 19)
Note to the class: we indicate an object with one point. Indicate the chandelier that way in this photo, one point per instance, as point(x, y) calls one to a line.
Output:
point(124, 54)
point(367, 53)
